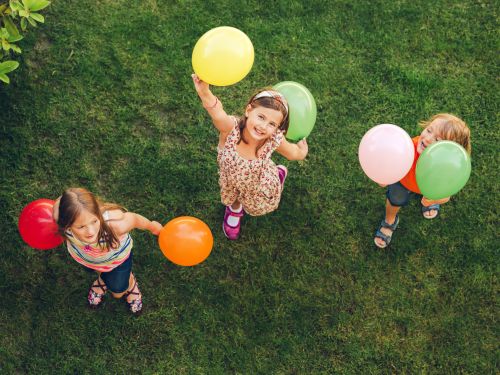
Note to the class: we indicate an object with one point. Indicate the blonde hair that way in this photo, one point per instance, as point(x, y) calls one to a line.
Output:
point(451, 128)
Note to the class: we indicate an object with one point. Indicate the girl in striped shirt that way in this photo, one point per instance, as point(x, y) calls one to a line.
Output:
point(97, 236)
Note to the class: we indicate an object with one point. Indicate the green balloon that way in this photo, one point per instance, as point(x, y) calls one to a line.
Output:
point(302, 109)
point(442, 169)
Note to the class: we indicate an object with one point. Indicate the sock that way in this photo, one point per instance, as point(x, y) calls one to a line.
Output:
point(234, 220)
point(236, 211)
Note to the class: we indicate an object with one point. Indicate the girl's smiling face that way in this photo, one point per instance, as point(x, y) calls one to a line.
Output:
point(429, 135)
point(86, 227)
point(262, 122)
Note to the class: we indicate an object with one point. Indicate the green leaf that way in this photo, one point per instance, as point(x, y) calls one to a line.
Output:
point(12, 39)
point(24, 23)
point(2, 8)
point(15, 48)
point(4, 34)
point(23, 13)
point(10, 26)
point(8, 66)
point(37, 17)
point(16, 5)
point(38, 5)
point(31, 21)
point(3, 77)
point(5, 45)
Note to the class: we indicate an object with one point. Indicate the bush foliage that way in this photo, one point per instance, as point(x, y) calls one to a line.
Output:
point(15, 16)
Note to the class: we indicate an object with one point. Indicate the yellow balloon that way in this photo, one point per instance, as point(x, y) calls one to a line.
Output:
point(223, 56)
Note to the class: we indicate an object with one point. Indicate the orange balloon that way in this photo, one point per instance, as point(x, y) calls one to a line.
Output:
point(186, 241)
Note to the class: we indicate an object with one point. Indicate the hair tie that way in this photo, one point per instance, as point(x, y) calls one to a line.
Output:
point(214, 105)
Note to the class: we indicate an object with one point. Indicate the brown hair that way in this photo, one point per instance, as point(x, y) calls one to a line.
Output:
point(451, 128)
point(73, 201)
point(266, 102)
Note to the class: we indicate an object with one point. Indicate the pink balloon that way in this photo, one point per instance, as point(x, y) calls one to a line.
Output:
point(386, 153)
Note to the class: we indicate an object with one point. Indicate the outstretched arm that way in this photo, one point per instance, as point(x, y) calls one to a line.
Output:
point(124, 222)
point(293, 151)
point(212, 104)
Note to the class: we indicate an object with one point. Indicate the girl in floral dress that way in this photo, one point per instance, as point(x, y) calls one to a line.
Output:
point(249, 180)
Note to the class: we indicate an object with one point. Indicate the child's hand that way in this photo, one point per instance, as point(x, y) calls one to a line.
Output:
point(202, 88)
point(156, 227)
point(304, 149)
point(55, 210)
point(382, 185)
point(427, 202)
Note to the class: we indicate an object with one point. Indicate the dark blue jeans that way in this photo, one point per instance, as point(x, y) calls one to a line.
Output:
point(398, 195)
point(117, 279)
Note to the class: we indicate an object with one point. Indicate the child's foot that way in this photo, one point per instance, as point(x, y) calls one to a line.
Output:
point(96, 293)
point(134, 298)
point(430, 212)
point(232, 222)
point(282, 173)
point(384, 232)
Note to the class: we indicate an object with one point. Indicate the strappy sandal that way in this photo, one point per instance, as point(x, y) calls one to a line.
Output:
point(135, 306)
point(385, 237)
point(96, 299)
point(425, 209)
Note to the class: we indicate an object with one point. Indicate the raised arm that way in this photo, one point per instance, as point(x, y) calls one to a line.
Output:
point(293, 151)
point(212, 104)
point(124, 222)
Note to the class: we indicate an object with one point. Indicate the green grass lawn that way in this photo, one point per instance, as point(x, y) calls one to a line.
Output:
point(103, 99)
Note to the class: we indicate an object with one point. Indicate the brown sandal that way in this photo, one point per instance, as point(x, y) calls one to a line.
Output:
point(136, 305)
point(95, 299)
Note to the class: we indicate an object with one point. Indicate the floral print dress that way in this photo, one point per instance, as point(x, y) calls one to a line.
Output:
point(255, 183)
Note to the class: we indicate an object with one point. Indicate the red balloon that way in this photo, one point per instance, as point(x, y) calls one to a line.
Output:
point(37, 226)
